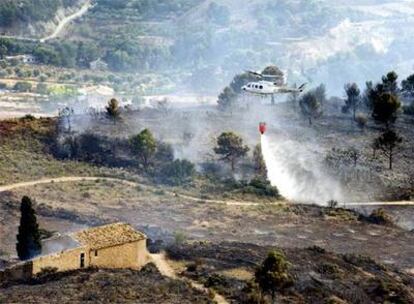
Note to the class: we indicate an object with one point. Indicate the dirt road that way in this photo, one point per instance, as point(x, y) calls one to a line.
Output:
point(65, 21)
point(126, 182)
point(166, 270)
point(187, 197)
point(403, 203)
point(62, 180)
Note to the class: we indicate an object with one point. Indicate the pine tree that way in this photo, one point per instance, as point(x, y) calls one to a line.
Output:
point(28, 239)
point(390, 83)
point(310, 106)
point(388, 143)
point(227, 98)
point(231, 148)
point(385, 109)
point(353, 99)
point(144, 147)
point(113, 111)
point(272, 275)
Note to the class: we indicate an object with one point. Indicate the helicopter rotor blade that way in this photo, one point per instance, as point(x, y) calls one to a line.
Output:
point(273, 76)
point(302, 87)
point(255, 74)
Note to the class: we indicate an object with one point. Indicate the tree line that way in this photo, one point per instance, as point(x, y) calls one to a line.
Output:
point(145, 154)
point(381, 102)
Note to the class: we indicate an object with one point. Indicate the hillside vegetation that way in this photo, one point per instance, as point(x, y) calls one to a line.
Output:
point(25, 152)
point(309, 39)
point(28, 11)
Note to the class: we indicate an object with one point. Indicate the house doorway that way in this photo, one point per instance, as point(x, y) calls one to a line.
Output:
point(82, 260)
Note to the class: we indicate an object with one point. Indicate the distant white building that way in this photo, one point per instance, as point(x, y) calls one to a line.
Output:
point(98, 90)
point(98, 65)
point(28, 59)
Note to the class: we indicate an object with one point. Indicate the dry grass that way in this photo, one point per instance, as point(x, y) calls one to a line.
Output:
point(240, 273)
point(18, 165)
point(24, 156)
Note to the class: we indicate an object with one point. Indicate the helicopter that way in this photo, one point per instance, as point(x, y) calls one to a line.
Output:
point(269, 85)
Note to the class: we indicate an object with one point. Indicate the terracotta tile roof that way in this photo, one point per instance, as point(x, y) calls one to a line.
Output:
point(108, 236)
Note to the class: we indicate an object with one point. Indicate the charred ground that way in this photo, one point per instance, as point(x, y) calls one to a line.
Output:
point(319, 276)
point(102, 286)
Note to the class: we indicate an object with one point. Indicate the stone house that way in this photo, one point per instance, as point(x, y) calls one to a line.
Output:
point(116, 245)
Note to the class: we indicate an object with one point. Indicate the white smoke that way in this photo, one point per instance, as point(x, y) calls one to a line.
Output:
point(297, 175)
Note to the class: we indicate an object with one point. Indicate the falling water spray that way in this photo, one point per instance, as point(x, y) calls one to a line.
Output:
point(298, 176)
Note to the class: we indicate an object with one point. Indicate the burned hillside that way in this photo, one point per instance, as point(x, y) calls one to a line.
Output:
point(319, 276)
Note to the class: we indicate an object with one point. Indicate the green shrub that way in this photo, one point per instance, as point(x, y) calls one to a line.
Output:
point(328, 269)
point(361, 261)
point(380, 217)
point(252, 294)
point(193, 267)
point(177, 173)
point(273, 274)
point(261, 187)
point(317, 249)
point(361, 120)
point(22, 87)
point(216, 280)
point(180, 237)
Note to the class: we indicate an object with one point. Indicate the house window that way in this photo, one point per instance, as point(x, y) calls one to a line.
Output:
point(96, 253)
point(82, 260)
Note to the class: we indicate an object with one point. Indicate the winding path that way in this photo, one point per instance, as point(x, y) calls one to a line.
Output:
point(402, 203)
point(62, 180)
point(126, 182)
point(59, 28)
point(65, 21)
point(166, 270)
point(187, 197)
